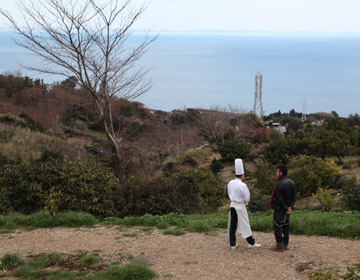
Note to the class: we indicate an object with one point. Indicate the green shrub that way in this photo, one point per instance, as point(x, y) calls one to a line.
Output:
point(60, 184)
point(310, 174)
point(232, 150)
point(216, 166)
point(353, 272)
point(21, 144)
point(323, 195)
point(265, 176)
point(322, 275)
point(347, 165)
point(281, 150)
point(194, 191)
point(258, 201)
point(351, 194)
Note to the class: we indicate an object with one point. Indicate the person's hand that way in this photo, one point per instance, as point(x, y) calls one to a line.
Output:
point(288, 211)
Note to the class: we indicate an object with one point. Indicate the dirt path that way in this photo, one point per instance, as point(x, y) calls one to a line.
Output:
point(193, 255)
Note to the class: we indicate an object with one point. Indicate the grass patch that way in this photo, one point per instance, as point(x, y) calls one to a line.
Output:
point(42, 220)
point(130, 272)
point(6, 231)
point(9, 260)
point(129, 257)
point(130, 235)
point(83, 258)
point(40, 267)
point(174, 231)
point(335, 223)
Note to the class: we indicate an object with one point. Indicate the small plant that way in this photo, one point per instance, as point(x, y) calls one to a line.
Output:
point(324, 198)
point(9, 260)
point(322, 275)
point(79, 256)
point(347, 165)
point(2, 269)
point(90, 260)
point(52, 202)
point(353, 272)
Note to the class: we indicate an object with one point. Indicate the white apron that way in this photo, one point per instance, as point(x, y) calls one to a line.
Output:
point(243, 225)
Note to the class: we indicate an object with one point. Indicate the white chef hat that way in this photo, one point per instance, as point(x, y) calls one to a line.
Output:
point(239, 167)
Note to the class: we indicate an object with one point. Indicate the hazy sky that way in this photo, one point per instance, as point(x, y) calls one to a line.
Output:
point(267, 15)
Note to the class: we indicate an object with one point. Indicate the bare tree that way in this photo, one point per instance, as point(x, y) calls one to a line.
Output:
point(86, 39)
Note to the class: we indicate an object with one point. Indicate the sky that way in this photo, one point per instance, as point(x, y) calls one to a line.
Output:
point(250, 15)
point(245, 15)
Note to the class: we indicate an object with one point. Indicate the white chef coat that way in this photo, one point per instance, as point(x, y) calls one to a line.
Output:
point(239, 195)
point(238, 192)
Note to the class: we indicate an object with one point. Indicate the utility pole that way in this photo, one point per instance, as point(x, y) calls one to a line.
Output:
point(258, 108)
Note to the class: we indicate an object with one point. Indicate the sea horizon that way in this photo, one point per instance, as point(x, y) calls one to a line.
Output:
point(218, 69)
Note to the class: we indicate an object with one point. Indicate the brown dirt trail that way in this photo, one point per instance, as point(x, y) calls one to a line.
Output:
point(193, 255)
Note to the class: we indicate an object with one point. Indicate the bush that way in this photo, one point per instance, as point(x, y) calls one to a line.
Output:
point(216, 166)
point(60, 184)
point(232, 150)
point(265, 176)
point(188, 192)
point(323, 275)
point(21, 144)
point(323, 195)
point(259, 201)
point(351, 194)
point(281, 150)
point(310, 174)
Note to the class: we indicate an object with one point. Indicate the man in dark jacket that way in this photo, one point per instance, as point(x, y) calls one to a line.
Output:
point(282, 201)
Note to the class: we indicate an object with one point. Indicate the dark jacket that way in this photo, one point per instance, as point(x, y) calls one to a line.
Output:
point(285, 194)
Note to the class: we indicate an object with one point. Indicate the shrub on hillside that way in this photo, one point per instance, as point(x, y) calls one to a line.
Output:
point(21, 144)
point(216, 166)
point(323, 196)
point(265, 176)
point(351, 194)
point(310, 174)
point(63, 184)
point(232, 150)
point(194, 191)
point(280, 150)
point(259, 202)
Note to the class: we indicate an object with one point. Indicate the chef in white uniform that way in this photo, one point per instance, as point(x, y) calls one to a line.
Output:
point(238, 217)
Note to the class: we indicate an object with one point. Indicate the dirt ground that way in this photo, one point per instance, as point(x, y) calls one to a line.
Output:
point(193, 255)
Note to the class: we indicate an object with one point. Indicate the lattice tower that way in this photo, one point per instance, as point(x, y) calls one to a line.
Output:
point(303, 117)
point(258, 108)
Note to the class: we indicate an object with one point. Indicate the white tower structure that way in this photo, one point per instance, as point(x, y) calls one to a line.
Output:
point(258, 108)
point(303, 117)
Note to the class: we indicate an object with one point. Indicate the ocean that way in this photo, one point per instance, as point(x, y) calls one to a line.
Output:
point(204, 70)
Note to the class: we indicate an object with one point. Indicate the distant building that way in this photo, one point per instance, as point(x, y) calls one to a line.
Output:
point(278, 127)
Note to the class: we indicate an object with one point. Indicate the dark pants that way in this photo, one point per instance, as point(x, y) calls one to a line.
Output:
point(281, 223)
point(233, 227)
